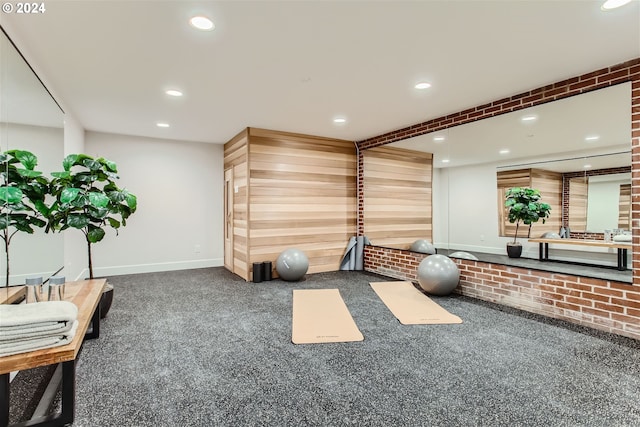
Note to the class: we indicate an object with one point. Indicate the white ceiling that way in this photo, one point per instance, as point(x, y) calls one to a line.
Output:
point(559, 132)
point(295, 65)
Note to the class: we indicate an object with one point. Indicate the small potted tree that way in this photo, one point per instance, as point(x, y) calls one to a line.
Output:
point(22, 197)
point(88, 199)
point(524, 206)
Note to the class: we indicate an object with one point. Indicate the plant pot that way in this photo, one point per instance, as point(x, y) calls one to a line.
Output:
point(514, 250)
point(106, 300)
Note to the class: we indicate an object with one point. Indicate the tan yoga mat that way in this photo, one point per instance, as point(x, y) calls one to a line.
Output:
point(321, 316)
point(411, 306)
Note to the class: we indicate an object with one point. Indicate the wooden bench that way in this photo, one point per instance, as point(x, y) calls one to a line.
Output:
point(12, 294)
point(622, 247)
point(86, 296)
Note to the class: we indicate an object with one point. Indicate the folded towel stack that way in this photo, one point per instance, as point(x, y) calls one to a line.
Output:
point(28, 327)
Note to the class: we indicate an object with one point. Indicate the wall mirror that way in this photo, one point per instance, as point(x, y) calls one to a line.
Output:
point(600, 202)
point(563, 136)
point(31, 120)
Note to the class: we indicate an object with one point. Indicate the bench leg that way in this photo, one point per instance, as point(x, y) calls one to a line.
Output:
point(543, 251)
point(60, 419)
point(95, 324)
point(622, 259)
point(4, 403)
point(68, 392)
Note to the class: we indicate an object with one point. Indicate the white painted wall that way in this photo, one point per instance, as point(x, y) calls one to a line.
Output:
point(603, 201)
point(75, 258)
point(179, 187)
point(472, 209)
point(178, 224)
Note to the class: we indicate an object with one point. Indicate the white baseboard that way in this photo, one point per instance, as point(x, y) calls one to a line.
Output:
point(156, 267)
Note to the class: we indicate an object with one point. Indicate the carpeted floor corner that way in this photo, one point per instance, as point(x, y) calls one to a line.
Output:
point(205, 348)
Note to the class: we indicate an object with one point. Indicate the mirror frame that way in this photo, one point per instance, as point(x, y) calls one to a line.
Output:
point(620, 73)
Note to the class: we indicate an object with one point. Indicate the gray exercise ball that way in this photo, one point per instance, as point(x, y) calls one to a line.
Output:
point(463, 255)
point(423, 246)
point(292, 264)
point(438, 275)
point(550, 235)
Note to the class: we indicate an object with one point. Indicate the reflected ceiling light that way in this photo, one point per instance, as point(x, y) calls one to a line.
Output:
point(505, 151)
point(173, 92)
point(162, 125)
point(202, 23)
point(529, 118)
point(587, 166)
point(422, 85)
point(614, 4)
point(592, 138)
point(339, 120)
point(438, 138)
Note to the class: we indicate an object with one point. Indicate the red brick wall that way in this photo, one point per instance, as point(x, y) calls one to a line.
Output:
point(601, 304)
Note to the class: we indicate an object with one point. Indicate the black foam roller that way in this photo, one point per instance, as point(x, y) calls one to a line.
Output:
point(266, 269)
point(257, 272)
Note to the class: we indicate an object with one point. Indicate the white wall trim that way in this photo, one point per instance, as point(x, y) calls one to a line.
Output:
point(156, 267)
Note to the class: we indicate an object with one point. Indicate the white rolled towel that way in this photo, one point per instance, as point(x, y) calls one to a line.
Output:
point(8, 348)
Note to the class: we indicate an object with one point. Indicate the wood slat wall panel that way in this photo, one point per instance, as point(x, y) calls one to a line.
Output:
point(276, 223)
point(271, 156)
point(397, 196)
point(624, 208)
point(316, 249)
point(305, 202)
point(300, 216)
point(578, 195)
point(302, 194)
point(298, 168)
point(550, 186)
point(384, 165)
point(291, 141)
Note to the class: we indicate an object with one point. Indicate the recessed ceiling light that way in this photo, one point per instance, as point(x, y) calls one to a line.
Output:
point(445, 160)
point(592, 138)
point(422, 85)
point(202, 23)
point(505, 151)
point(438, 138)
point(173, 92)
point(529, 118)
point(339, 120)
point(614, 4)
point(162, 125)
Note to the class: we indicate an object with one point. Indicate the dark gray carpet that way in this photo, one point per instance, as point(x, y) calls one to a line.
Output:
point(204, 348)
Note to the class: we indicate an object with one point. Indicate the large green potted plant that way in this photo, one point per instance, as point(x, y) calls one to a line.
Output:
point(88, 199)
point(22, 197)
point(524, 206)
